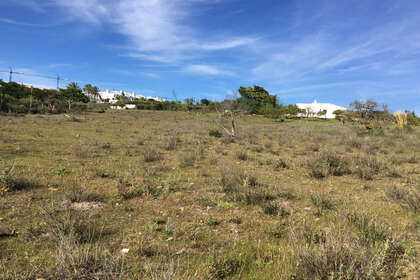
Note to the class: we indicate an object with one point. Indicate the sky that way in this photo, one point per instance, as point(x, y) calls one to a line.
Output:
point(330, 50)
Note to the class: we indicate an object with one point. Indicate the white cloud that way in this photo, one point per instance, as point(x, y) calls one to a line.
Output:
point(153, 57)
point(150, 75)
point(88, 10)
point(31, 4)
point(206, 69)
point(14, 22)
point(157, 30)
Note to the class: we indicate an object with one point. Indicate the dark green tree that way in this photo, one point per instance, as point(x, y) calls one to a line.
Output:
point(73, 93)
point(205, 102)
point(92, 91)
point(256, 98)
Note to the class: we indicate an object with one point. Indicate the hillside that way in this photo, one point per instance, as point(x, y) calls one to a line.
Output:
point(151, 195)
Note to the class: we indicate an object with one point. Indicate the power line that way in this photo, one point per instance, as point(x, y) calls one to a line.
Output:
point(11, 72)
point(57, 78)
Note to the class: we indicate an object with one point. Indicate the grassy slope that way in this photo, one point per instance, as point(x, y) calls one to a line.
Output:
point(208, 209)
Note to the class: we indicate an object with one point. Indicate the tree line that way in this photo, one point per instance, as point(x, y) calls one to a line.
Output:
point(21, 99)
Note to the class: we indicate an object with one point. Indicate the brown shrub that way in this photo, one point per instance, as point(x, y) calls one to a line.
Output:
point(150, 154)
point(327, 163)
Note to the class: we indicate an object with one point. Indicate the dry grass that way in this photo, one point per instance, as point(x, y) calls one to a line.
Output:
point(401, 118)
point(188, 205)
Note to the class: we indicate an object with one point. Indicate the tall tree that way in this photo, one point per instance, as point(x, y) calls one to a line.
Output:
point(73, 93)
point(92, 91)
point(256, 98)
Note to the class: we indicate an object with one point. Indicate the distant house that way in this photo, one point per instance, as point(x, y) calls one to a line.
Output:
point(126, 107)
point(314, 109)
point(115, 95)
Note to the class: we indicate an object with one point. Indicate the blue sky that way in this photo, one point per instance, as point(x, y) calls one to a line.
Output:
point(332, 51)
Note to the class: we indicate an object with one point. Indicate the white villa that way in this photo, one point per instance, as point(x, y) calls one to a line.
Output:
point(314, 108)
point(113, 95)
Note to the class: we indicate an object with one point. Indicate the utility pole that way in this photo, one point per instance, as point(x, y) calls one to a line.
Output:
point(174, 95)
point(11, 74)
point(58, 82)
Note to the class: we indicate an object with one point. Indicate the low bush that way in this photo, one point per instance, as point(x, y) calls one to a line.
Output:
point(188, 159)
point(171, 141)
point(280, 164)
point(82, 194)
point(327, 163)
point(73, 234)
point(9, 182)
point(150, 154)
point(405, 198)
point(226, 267)
point(255, 197)
point(341, 257)
point(369, 229)
point(323, 202)
point(215, 131)
point(242, 155)
point(129, 190)
point(270, 208)
point(366, 167)
point(231, 178)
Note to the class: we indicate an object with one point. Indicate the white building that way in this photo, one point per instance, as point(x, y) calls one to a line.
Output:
point(113, 96)
point(312, 110)
point(125, 107)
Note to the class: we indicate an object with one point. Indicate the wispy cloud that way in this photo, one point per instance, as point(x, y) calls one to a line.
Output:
point(34, 5)
point(90, 11)
point(60, 65)
point(386, 50)
point(14, 22)
point(157, 30)
point(206, 69)
point(150, 75)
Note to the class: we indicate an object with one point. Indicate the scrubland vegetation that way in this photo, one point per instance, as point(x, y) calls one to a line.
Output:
point(168, 195)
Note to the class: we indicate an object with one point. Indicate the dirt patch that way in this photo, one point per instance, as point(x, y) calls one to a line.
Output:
point(85, 206)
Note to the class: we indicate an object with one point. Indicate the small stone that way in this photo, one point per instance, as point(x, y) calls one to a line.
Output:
point(125, 250)
point(180, 251)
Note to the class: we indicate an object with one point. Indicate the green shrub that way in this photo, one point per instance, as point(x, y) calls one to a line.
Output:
point(255, 197)
point(327, 163)
point(225, 268)
point(323, 202)
point(213, 222)
point(270, 208)
point(127, 190)
point(215, 132)
point(366, 167)
point(10, 182)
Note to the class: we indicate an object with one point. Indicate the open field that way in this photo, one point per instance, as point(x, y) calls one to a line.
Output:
point(285, 200)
